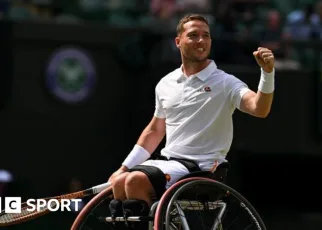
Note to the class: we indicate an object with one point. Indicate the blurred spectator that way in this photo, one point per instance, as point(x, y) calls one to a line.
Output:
point(317, 21)
point(203, 7)
point(299, 24)
point(164, 9)
point(5, 179)
point(164, 12)
point(162, 15)
point(200, 6)
point(234, 23)
point(270, 36)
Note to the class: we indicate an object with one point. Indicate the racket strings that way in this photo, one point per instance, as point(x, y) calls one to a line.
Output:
point(71, 195)
point(15, 217)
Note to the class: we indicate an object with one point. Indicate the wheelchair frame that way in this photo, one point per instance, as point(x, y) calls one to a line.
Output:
point(159, 214)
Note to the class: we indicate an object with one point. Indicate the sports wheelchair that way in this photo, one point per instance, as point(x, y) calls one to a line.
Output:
point(199, 200)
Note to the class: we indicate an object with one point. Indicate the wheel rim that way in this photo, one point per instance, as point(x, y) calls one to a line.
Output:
point(89, 217)
point(235, 211)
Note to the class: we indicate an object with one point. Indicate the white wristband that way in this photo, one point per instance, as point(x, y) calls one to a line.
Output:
point(137, 156)
point(266, 83)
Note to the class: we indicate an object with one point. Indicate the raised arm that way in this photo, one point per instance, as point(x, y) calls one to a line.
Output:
point(259, 104)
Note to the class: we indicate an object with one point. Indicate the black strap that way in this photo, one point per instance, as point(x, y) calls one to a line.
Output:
point(189, 164)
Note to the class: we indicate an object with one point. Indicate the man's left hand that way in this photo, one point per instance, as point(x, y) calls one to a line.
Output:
point(265, 59)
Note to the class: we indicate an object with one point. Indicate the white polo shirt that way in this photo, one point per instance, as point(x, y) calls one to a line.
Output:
point(198, 111)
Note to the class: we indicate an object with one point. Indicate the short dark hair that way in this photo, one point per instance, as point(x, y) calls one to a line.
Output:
point(188, 18)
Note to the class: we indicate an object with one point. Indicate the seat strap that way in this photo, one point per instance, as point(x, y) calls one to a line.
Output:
point(189, 164)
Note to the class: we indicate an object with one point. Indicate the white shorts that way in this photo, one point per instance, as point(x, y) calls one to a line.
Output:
point(172, 169)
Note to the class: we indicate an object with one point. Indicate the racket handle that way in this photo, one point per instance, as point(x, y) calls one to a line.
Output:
point(98, 188)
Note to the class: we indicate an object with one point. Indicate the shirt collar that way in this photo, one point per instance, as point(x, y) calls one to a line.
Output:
point(203, 74)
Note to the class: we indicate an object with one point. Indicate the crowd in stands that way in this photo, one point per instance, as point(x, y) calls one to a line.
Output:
point(268, 22)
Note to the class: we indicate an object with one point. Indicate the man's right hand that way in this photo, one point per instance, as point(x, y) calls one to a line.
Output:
point(121, 170)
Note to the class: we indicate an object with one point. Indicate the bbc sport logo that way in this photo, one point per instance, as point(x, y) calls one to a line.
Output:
point(13, 205)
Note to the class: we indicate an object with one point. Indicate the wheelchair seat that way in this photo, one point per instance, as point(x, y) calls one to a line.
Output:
point(219, 175)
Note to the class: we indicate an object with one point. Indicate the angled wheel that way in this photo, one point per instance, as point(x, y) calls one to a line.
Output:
point(98, 207)
point(200, 203)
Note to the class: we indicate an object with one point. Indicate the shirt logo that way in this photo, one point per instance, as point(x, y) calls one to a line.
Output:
point(205, 89)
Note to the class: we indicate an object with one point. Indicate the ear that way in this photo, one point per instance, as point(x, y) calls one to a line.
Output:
point(177, 40)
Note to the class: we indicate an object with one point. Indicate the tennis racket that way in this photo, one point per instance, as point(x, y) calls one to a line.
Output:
point(7, 219)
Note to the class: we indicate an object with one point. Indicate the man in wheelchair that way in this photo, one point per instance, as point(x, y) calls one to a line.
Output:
point(194, 108)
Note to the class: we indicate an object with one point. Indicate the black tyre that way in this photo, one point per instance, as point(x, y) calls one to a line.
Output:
point(202, 204)
point(96, 208)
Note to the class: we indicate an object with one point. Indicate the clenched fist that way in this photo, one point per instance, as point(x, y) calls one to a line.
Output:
point(265, 59)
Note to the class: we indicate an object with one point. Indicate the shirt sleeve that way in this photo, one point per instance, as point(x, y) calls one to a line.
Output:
point(235, 90)
point(159, 111)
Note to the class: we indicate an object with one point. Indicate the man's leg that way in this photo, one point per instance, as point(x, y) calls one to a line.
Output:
point(139, 187)
point(116, 205)
point(118, 186)
point(146, 182)
point(139, 192)
point(149, 179)
point(134, 185)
